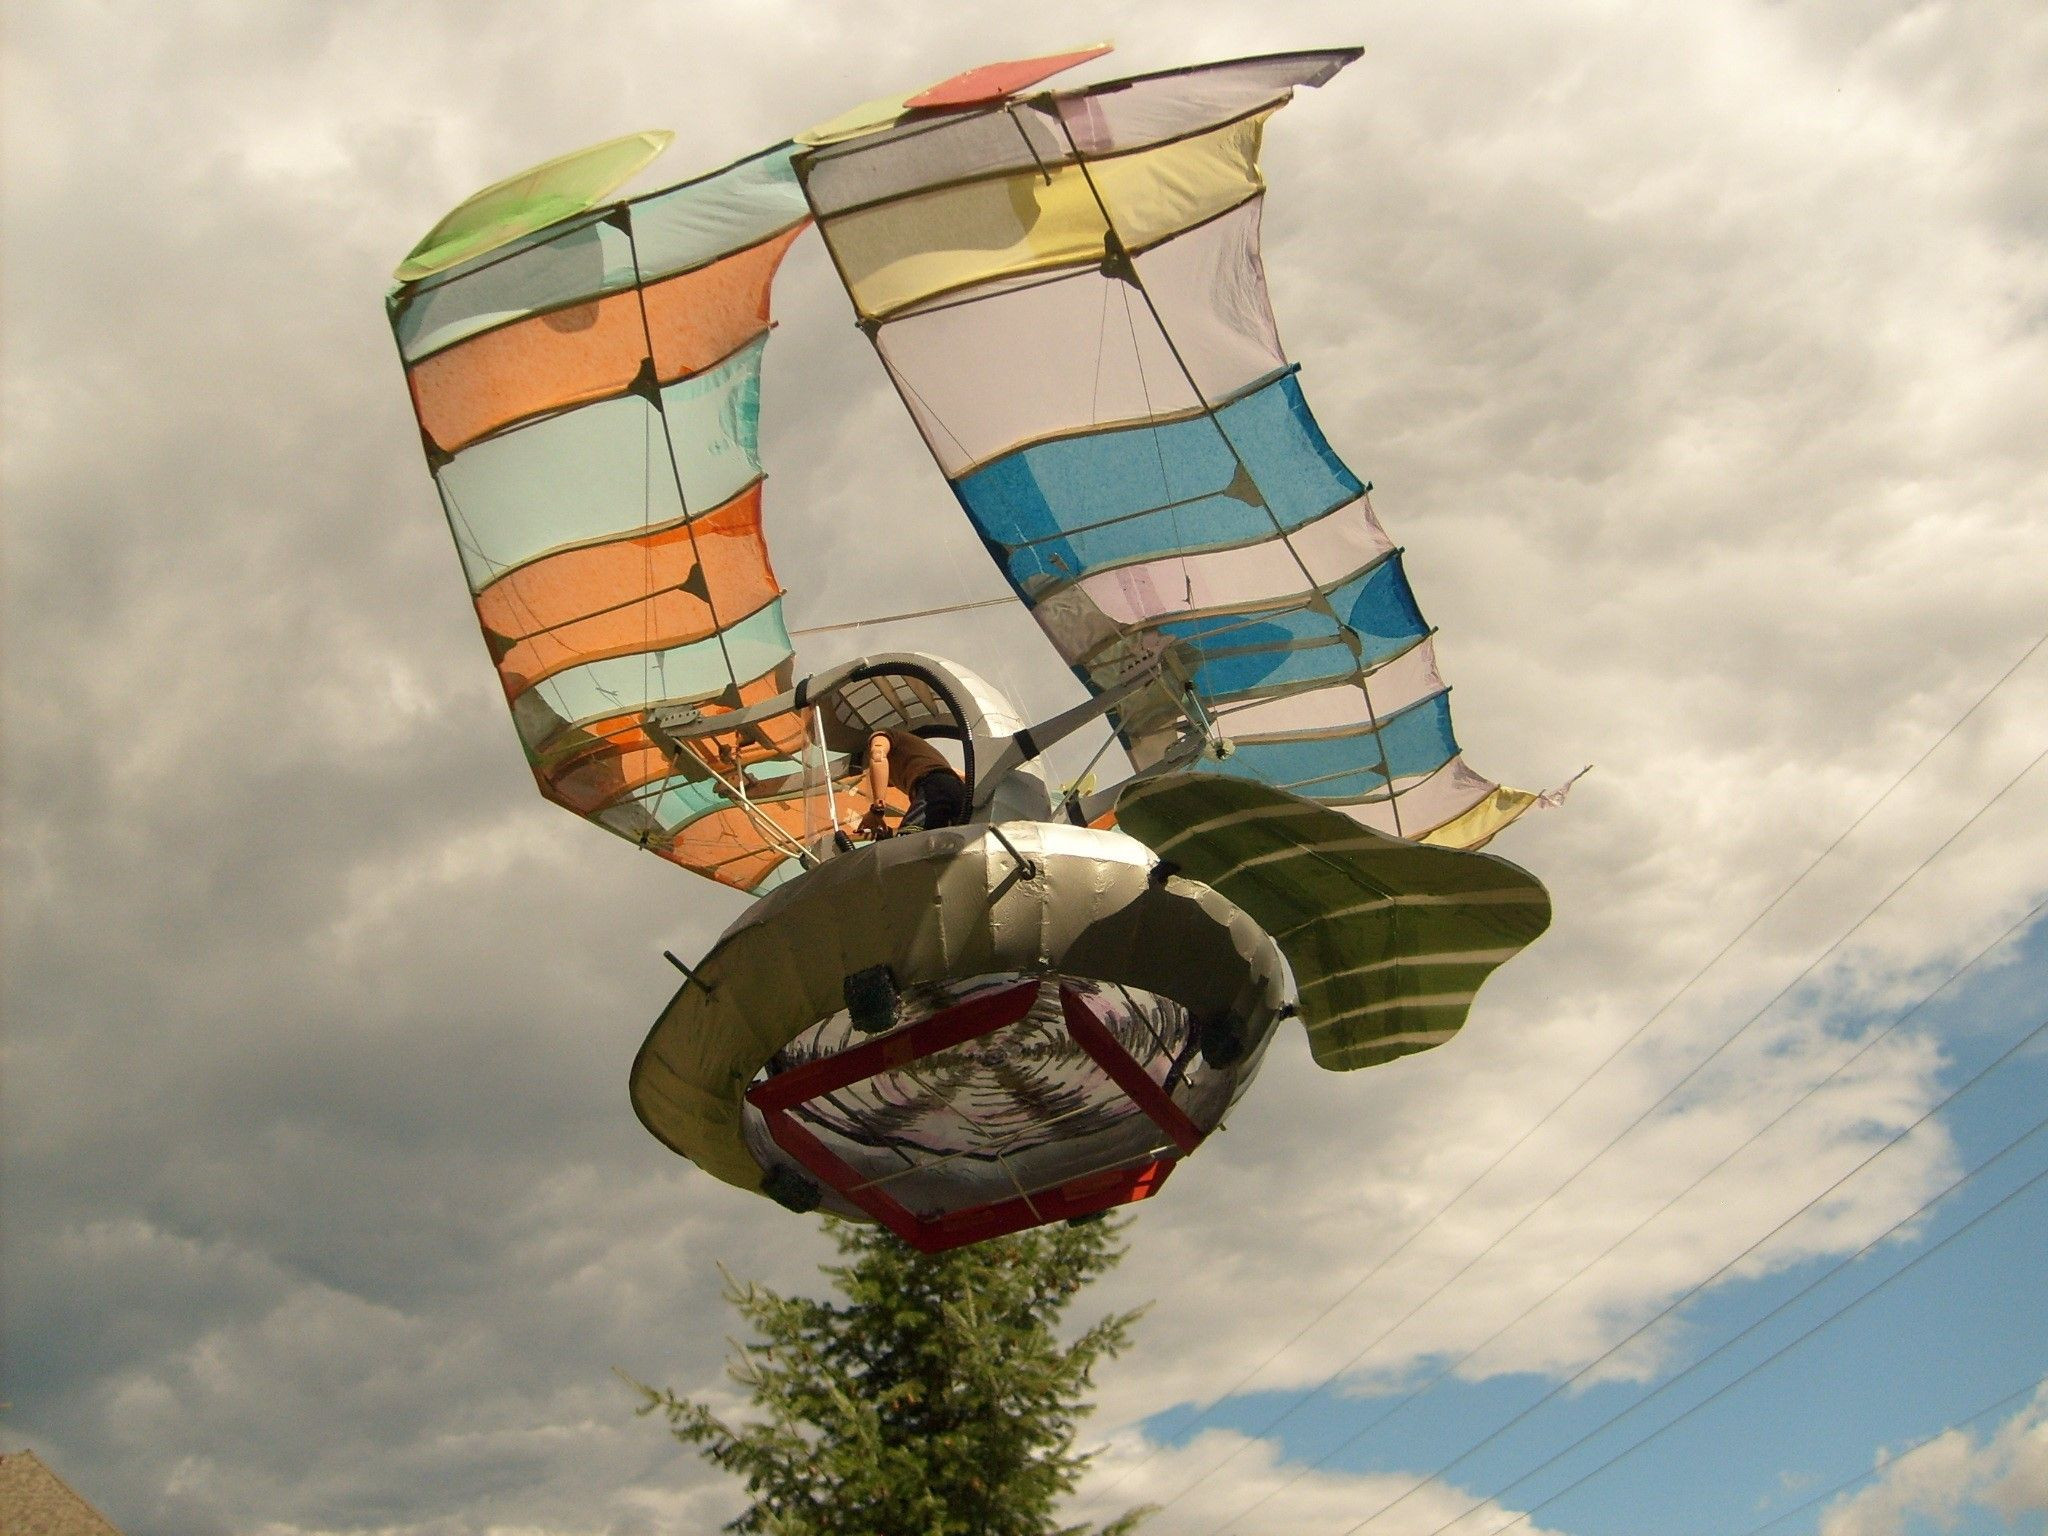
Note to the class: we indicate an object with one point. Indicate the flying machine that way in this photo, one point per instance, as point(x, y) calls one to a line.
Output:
point(1036, 1014)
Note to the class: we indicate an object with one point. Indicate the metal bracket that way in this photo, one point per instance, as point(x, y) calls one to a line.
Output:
point(1033, 740)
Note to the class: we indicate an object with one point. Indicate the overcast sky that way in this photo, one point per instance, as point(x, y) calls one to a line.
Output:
point(1700, 357)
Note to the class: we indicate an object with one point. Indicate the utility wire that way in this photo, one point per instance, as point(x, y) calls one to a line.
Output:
point(1208, 1411)
point(1643, 1328)
point(1864, 1048)
point(1869, 1472)
point(1303, 1399)
point(1784, 1349)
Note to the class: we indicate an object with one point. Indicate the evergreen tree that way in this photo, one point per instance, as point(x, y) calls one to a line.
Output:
point(936, 1399)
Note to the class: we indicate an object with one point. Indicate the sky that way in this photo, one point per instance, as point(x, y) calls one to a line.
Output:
point(1698, 355)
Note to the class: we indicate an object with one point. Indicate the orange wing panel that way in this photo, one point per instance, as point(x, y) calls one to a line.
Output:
point(623, 597)
point(700, 317)
point(594, 350)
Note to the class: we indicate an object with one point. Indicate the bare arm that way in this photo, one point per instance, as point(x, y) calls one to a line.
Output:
point(878, 781)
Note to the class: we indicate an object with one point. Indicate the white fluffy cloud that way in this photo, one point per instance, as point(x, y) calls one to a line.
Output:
point(2005, 1472)
point(1288, 1503)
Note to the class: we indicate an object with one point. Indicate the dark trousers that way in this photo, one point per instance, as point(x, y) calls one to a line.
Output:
point(939, 799)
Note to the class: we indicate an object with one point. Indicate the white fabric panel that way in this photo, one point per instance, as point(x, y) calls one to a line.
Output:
point(1022, 361)
point(922, 153)
point(1035, 362)
point(1209, 287)
point(1333, 548)
point(1129, 115)
point(1406, 679)
point(1426, 803)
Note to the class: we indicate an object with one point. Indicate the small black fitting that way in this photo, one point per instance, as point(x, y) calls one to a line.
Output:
point(871, 997)
point(1223, 1042)
point(790, 1189)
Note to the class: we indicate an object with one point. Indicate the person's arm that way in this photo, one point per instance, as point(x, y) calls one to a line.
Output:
point(876, 820)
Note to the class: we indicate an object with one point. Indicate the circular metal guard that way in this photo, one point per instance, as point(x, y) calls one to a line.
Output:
point(960, 1033)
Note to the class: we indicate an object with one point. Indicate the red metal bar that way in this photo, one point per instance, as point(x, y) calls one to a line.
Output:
point(949, 1027)
point(1083, 1195)
point(795, 1138)
point(1090, 1034)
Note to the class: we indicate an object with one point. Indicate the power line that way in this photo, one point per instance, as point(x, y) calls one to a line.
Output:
point(1869, 1472)
point(1864, 1048)
point(1616, 1348)
point(1726, 1387)
point(1302, 1399)
point(1435, 1216)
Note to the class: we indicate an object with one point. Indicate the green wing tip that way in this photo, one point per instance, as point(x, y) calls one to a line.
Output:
point(531, 200)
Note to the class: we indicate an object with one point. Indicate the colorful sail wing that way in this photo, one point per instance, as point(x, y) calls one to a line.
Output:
point(1068, 293)
point(588, 397)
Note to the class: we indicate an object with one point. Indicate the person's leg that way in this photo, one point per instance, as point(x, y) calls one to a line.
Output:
point(917, 817)
point(945, 801)
point(939, 799)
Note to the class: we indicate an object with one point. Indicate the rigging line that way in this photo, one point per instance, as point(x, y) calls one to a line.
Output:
point(1726, 1387)
point(1944, 1102)
point(1101, 352)
point(647, 561)
point(824, 769)
point(1895, 1458)
point(1634, 1035)
point(668, 440)
point(1129, 266)
point(1180, 538)
point(1847, 1062)
point(897, 618)
point(966, 453)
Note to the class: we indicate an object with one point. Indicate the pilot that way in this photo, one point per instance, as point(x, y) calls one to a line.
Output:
point(899, 760)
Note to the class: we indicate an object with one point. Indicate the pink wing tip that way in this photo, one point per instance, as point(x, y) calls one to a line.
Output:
point(992, 82)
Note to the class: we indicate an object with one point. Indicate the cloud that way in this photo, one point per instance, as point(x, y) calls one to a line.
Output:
point(1287, 1502)
point(1954, 1473)
point(1699, 361)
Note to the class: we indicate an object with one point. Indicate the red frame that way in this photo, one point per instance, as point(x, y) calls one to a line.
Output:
point(1082, 1195)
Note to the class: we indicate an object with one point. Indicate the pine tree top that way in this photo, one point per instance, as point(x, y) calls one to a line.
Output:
point(933, 1397)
